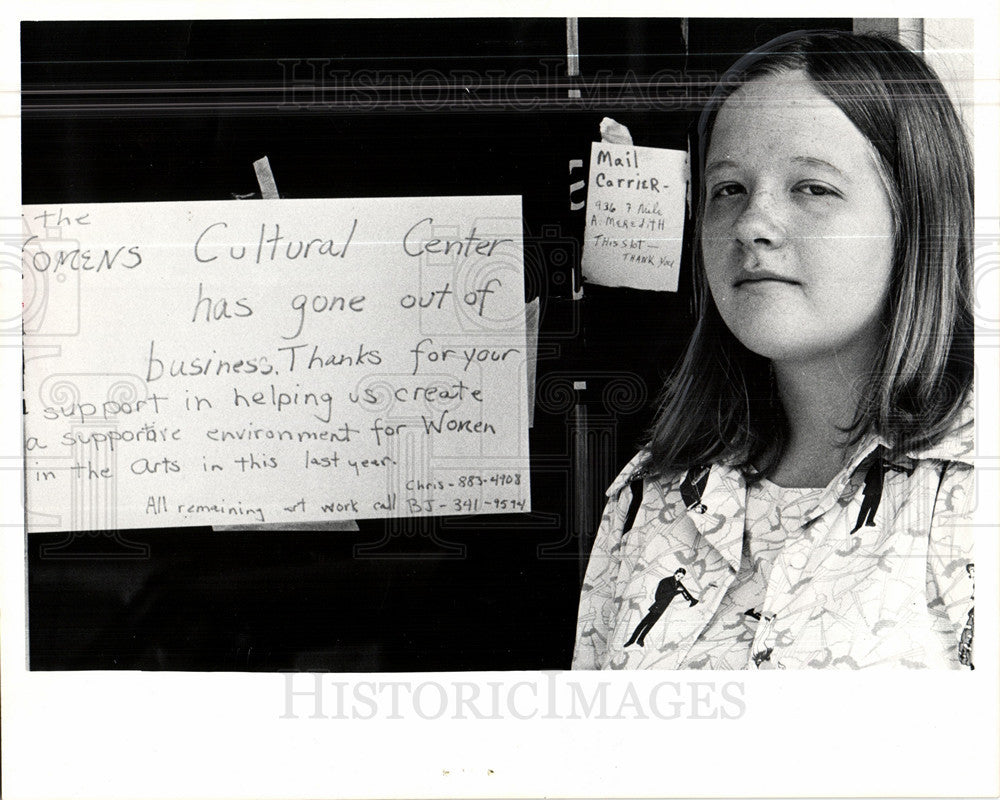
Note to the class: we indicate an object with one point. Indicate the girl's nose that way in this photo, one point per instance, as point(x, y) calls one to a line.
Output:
point(759, 225)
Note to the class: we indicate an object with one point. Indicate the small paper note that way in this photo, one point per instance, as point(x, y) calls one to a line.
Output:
point(635, 216)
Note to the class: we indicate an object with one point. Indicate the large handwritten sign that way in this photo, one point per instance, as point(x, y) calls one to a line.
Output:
point(269, 361)
point(635, 216)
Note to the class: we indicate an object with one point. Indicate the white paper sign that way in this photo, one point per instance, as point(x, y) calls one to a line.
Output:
point(269, 361)
point(635, 216)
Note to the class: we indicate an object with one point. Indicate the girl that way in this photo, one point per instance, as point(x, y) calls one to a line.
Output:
point(808, 474)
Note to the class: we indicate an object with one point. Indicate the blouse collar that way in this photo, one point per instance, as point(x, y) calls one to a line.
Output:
point(956, 445)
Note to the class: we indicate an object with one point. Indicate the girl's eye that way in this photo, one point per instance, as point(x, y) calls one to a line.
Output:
point(727, 190)
point(817, 190)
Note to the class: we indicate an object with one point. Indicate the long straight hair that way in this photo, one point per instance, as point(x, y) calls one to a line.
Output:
point(721, 403)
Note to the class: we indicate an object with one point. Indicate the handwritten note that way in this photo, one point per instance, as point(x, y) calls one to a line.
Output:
point(269, 361)
point(635, 216)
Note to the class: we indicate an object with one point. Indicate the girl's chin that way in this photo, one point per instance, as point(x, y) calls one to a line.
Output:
point(777, 344)
point(772, 341)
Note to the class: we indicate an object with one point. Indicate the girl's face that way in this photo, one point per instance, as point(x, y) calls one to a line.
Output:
point(797, 234)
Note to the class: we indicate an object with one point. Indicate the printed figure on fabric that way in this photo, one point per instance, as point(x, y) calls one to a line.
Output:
point(666, 591)
point(965, 643)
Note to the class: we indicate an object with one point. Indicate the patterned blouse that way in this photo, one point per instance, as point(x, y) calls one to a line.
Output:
point(875, 570)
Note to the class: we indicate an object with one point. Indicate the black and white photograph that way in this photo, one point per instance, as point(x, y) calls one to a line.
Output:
point(510, 383)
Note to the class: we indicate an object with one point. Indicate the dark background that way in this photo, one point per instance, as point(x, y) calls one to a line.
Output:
point(172, 111)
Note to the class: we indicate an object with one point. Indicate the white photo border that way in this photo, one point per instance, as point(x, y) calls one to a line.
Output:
point(132, 734)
